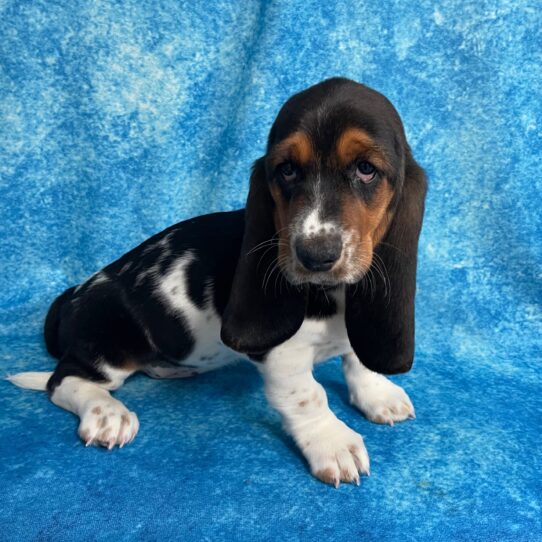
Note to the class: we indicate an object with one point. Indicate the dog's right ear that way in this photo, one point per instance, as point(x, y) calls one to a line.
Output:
point(263, 310)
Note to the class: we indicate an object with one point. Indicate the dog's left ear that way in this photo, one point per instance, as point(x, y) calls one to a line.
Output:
point(380, 323)
point(263, 309)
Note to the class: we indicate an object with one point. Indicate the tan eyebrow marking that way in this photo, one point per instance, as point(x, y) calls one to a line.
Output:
point(296, 147)
point(354, 143)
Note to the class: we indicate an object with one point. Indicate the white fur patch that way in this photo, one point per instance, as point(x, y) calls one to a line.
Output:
point(322, 338)
point(115, 376)
point(33, 380)
point(379, 399)
point(203, 323)
point(105, 421)
point(174, 290)
point(312, 225)
point(98, 278)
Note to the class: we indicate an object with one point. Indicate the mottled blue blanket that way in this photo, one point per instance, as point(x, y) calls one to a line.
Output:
point(120, 118)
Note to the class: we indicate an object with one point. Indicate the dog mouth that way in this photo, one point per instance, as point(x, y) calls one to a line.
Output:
point(344, 272)
point(319, 279)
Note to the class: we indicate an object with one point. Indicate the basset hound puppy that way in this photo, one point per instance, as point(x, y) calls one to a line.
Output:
point(320, 263)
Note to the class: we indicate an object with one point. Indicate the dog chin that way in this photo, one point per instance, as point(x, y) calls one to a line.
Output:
point(325, 279)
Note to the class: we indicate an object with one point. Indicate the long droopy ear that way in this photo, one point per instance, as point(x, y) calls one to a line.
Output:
point(380, 324)
point(263, 310)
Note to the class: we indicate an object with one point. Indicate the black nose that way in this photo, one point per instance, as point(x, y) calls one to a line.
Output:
point(318, 253)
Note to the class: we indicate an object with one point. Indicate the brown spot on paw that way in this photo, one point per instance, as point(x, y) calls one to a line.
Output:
point(96, 410)
point(303, 403)
point(103, 422)
point(328, 476)
point(124, 420)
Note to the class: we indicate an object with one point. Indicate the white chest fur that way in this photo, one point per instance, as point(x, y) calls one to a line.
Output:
point(318, 339)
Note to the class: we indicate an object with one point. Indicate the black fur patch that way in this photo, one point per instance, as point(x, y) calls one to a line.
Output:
point(320, 303)
point(123, 319)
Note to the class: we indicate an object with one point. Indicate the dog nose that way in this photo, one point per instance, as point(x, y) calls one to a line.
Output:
point(318, 253)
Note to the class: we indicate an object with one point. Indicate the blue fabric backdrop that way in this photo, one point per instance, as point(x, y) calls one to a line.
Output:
point(121, 118)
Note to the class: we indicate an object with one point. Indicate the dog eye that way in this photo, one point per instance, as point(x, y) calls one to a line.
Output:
point(288, 171)
point(365, 171)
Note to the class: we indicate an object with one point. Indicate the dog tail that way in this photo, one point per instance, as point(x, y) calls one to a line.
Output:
point(52, 323)
point(31, 380)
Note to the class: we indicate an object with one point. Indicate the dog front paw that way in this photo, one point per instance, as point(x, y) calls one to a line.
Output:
point(381, 401)
point(334, 452)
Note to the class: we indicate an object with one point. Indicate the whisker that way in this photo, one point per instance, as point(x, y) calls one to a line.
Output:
point(276, 262)
point(377, 267)
point(269, 270)
point(274, 239)
point(268, 243)
point(386, 277)
point(325, 293)
point(280, 275)
point(370, 280)
point(262, 257)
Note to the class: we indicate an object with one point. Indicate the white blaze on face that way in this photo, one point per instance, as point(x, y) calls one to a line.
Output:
point(312, 225)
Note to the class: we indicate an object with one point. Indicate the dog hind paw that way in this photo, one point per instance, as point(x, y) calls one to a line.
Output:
point(108, 423)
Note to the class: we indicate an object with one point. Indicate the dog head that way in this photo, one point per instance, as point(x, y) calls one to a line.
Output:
point(336, 199)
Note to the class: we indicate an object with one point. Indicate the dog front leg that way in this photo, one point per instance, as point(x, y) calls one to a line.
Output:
point(379, 399)
point(335, 452)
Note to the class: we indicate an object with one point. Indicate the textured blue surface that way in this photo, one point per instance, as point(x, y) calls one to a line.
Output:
point(118, 119)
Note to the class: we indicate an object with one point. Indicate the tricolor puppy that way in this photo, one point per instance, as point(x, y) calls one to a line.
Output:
point(320, 263)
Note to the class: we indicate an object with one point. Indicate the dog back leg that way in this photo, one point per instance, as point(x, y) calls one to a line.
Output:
point(83, 389)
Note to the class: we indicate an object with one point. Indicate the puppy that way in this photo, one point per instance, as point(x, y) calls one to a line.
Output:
point(320, 263)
